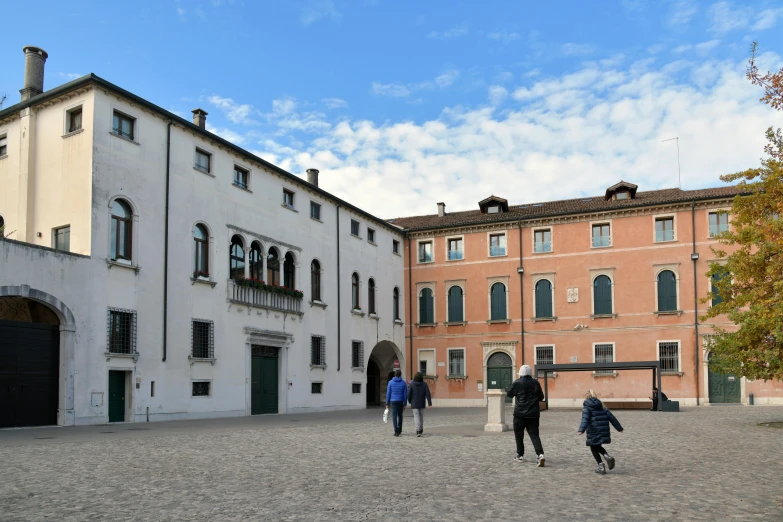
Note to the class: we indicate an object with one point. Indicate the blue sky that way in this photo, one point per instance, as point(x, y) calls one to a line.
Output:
point(402, 104)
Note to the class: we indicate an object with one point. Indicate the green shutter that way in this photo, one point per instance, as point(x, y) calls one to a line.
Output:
point(455, 305)
point(426, 307)
point(602, 294)
point(544, 298)
point(498, 302)
point(667, 291)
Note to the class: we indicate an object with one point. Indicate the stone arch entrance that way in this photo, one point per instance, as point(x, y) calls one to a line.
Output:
point(36, 358)
point(500, 372)
point(383, 357)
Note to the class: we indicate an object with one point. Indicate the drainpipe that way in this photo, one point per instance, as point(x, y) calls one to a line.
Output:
point(166, 244)
point(339, 306)
point(521, 273)
point(695, 258)
point(410, 311)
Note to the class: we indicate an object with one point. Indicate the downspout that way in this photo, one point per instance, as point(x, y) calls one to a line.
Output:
point(410, 310)
point(521, 273)
point(166, 244)
point(694, 257)
point(339, 306)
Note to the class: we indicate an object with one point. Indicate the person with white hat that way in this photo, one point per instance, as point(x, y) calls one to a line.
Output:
point(527, 412)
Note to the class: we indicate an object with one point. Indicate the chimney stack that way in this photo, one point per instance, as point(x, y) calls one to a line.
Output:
point(34, 60)
point(200, 118)
point(312, 177)
point(441, 209)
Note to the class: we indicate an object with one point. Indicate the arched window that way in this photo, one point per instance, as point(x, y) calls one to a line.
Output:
point(667, 291)
point(121, 223)
point(273, 267)
point(255, 260)
point(201, 264)
point(602, 295)
point(396, 304)
point(288, 271)
point(456, 313)
point(315, 280)
point(355, 305)
point(426, 307)
point(498, 302)
point(371, 296)
point(236, 258)
point(543, 298)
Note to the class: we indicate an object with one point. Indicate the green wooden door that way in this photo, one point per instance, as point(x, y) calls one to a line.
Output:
point(724, 388)
point(500, 379)
point(116, 396)
point(263, 391)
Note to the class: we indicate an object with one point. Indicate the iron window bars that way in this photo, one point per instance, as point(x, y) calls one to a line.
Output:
point(203, 339)
point(121, 331)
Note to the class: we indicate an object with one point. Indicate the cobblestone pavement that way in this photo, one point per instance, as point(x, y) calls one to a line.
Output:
point(700, 464)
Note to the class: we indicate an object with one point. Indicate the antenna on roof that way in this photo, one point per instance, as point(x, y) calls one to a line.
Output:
point(679, 177)
point(1, 101)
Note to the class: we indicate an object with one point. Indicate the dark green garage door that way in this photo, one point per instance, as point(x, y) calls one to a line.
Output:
point(29, 368)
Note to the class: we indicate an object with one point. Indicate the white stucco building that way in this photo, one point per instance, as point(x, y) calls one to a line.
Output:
point(132, 237)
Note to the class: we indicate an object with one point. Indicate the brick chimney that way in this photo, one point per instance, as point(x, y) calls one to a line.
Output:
point(312, 177)
point(441, 209)
point(34, 60)
point(200, 118)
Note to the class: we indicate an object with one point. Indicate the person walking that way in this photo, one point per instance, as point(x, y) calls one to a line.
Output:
point(595, 420)
point(397, 398)
point(527, 412)
point(418, 393)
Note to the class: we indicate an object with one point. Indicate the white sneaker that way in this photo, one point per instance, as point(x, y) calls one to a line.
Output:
point(519, 458)
point(541, 461)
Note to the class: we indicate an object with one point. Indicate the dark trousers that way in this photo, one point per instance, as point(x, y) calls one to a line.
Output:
point(655, 405)
point(531, 425)
point(597, 452)
point(396, 411)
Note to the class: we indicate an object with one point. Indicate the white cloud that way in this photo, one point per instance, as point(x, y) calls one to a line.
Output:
point(284, 105)
point(497, 94)
point(227, 134)
point(767, 19)
point(446, 79)
point(725, 19)
point(454, 32)
point(315, 10)
point(700, 48)
point(181, 12)
point(69, 76)
point(682, 12)
point(334, 103)
point(393, 90)
point(573, 49)
point(503, 36)
point(237, 113)
point(399, 90)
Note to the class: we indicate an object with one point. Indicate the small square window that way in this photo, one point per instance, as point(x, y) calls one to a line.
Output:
point(123, 125)
point(543, 241)
point(497, 245)
point(493, 209)
point(370, 235)
point(425, 252)
point(62, 238)
point(203, 160)
point(316, 388)
point(3, 144)
point(241, 177)
point(356, 387)
point(395, 246)
point(315, 210)
point(288, 199)
point(621, 195)
point(74, 119)
point(354, 228)
point(664, 229)
point(201, 388)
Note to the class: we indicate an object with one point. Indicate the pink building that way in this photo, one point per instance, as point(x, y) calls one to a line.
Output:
point(610, 278)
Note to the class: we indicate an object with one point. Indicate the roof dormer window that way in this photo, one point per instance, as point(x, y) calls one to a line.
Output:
point(622, 190)
point(494, 209)
point(493, 205)
point(621, 195)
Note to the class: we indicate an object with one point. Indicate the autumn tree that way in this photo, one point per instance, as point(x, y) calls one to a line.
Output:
point(748, 283)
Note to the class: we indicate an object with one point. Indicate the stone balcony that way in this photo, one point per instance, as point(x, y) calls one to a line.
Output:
point(260, 298)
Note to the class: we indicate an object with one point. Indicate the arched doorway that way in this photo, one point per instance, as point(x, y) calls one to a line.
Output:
point(29, 363)
point(500, 372)
point(386, 357)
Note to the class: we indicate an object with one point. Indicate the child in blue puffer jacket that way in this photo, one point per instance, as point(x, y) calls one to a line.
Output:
point(596, 420)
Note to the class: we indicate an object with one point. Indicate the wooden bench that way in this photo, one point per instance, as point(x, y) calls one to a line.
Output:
point(627, 405)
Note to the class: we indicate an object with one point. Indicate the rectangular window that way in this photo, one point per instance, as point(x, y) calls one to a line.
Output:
point(457, 363)
point(123, 125)
point(621, 195)
point(543, 241)
point(121, 331)
point(203, 160)
point(356, 387)
point(316, 388)
point(315, 210)
point(240, 177)
point(395, 246)
point(203, 339)
point(664, 229)
point(152, 388)
point(62, 238)
point(669, 356)
point(3, 145)
point(425, 252)
point(201, 388)
point(719, 222)
point(74, 119)
point(318, 350)
point(455, 249)
point(545, 355)
point(288, 199)
point(370, 235)
point(604, 353)
point(357, 354)
point(423, 367)
point(497, 245)
point(717, 298)
point(354, 228)
point(601, 237)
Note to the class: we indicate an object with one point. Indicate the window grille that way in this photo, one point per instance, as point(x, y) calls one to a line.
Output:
point(357, 354)
point(356, 387)
point(203, 339)
point(201, 388)
point(669, 356)
point(318, 350)
point(604, 353)
point(456, 363)
point(316, 387)
point(545, 355)
point(121, 331)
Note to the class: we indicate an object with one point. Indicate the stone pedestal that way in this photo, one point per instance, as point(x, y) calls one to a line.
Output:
point(496, 411)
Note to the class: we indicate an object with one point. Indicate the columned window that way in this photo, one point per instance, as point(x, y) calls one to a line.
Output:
point(455, 308)
point(256, 261)
point(498, 302)
point(121, 227)
point(355, 304)
point(201, 262)
point(315, 280)
point(236, 258)
point(288, 271)
point(273, 267)
point(371, 296)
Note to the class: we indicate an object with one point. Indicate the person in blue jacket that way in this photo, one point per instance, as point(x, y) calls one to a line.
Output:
point(397, 398)
point(596, 420)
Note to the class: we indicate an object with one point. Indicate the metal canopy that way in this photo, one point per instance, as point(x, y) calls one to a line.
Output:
point(655, 366)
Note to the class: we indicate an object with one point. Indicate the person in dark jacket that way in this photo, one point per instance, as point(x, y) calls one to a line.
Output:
point(397, 397)
point(596, 420)
point(418, 393)
point(527, 412)
point(655, 396)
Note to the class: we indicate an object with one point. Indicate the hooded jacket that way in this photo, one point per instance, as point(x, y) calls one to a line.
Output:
point(397, 391)
point(528, 394)
point(596, 420)
point(418, 393)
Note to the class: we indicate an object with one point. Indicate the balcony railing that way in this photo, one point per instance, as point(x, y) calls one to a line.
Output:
point(263, 298)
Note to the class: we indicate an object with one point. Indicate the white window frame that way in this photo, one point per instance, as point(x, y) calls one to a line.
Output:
point(320, 208)
point(673, 267)
point(464, 362)
point(489, 243)
point(491, 281)
point(656, 217)
point(434, 359)
point(249, 177)
point(679, 355)
point(211, 259)
point(431, 241)
point(614, 356)
point(549, 276)
point(419, 287)
point(127, 114)
point(374, 233)
point(554, 357)
point(199, 149)
point(449, 284)
point(67, 112)
point(283, 204)
point(551, 240)
point(446, 248)
point(359, 228)
point(611, 232)
point(211, 389)
point(134, 233)
point(396, 252)
point(715, 211)
point(609, 272)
